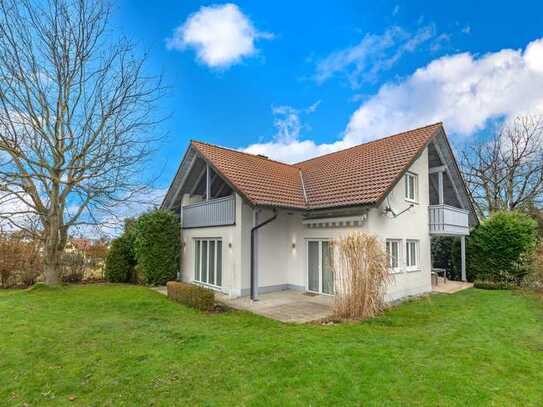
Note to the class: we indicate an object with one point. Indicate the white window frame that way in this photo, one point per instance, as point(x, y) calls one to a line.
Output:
point(319, 241)
point(416, 265)
point(198, 261)
point(415, 177)
point(398, 269)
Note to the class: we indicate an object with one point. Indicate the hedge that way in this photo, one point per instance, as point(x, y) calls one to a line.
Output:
point(191, 295)
point(501, 247)
point(120, 261)
point(157, 246)
point(494, 285)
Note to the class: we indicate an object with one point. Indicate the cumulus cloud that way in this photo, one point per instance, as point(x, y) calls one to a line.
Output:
point(285, 145)
point(462, 90)
point(288, 121)
point(373, 54)
point(221, 35)
point(465, 91)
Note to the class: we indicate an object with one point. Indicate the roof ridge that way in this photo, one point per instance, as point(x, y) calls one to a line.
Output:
point(303, 185)
point(366, 143)
point(243, 152)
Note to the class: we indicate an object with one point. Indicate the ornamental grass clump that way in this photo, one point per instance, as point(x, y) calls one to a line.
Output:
point(361, 276)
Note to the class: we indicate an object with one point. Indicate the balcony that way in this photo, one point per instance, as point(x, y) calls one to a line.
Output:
point(448, 220)
point(215, 212)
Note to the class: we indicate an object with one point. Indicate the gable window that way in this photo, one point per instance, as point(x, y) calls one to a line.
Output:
point(412, 254)
point(208, 261)
point(411, 187)
point(393, 255)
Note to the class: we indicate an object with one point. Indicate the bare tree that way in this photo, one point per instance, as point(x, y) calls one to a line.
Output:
point(76, 116)
point(505, 172)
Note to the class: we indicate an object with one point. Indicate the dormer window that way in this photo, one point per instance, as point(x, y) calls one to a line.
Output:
point(411, 187)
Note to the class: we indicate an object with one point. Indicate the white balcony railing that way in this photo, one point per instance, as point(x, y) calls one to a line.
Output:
point(448, 220)
point(215, 212)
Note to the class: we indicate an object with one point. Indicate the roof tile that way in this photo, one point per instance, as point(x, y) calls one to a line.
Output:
point(360, 175)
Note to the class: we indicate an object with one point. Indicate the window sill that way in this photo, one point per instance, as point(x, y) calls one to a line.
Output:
point(413, 270)
point(411, 201)
point(209, 286)
point(394, 271)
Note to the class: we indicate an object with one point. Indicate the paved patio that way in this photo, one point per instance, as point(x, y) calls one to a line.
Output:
point(301, 307)
point(450, 287)
point(285, 306)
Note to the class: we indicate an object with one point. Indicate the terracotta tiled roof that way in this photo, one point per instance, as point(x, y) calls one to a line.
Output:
point(360, 175)
point(260, 180)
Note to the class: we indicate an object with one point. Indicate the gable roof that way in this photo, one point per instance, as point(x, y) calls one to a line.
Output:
point(360, 175)
point(363, 174)
point(258, 179)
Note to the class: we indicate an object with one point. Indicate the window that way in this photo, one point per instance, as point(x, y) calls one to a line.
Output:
point(412, 254)
point(208, 261)
point(411, 187)
point(393, 255)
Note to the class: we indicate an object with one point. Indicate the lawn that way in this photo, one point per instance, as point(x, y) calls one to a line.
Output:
point(115, 345)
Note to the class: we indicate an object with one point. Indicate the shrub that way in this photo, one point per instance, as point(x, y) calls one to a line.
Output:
point(120, 262)
point(535, 279)
point(501, 248)
point(20, 261)
point(191, 295)
point(156, 246)
point(96, 257)
point(73, 267)
point(494, 285)
point(29, 276)
point(361, 276)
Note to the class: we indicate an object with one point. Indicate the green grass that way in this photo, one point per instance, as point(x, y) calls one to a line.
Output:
point(115, 345)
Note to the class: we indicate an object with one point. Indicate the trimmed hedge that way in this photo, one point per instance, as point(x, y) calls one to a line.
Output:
point(157, 246)
point(120, 261)
point(501, 248)
point(494, 285)
point(191, 295)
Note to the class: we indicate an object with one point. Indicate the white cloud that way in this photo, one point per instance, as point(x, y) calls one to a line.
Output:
point(293, 151)
point(16, 211)
point(112, 220)
point(466, 29)
point(462, 90)
point(287, 122)
point(286, 145)
point(372, 55)
point(465, 91)
point(220, 34)
point(396, 10)
point(534, 55)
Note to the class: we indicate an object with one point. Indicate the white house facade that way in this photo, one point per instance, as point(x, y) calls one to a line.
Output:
point(251, 225)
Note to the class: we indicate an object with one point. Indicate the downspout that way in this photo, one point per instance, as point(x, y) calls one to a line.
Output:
point(253, 230)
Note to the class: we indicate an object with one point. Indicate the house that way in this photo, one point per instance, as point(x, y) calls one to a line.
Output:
point(252, 225)
point(80, 246)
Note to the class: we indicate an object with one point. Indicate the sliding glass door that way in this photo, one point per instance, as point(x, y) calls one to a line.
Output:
point(320, 278)
point(208, 261)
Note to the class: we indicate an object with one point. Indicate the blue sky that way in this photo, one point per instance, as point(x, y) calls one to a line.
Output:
point(294, 79)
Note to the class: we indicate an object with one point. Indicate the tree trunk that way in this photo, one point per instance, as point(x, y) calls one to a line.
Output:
point(51, 267)
point(55, 241)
